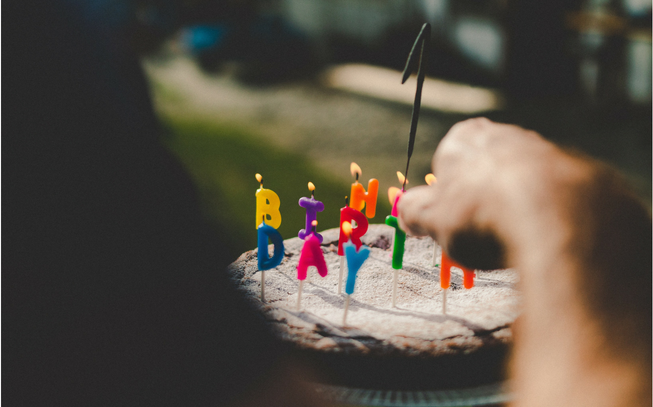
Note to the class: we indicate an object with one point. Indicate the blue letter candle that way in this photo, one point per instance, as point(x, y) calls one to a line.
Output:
point(355, 260)
point(265, 262)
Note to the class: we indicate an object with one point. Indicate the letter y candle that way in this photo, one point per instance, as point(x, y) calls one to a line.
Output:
point(355, 259)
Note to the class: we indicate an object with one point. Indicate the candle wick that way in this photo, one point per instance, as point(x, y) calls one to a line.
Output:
point(346, 201)
point(357, 174)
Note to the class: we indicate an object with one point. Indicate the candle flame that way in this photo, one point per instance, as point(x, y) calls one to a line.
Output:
point(314, 223)
point(346, 229)
point(392, 194)
point(259, 177)
point(355, 170)
point(401, 178)
point(430, 179)
point(311, 186)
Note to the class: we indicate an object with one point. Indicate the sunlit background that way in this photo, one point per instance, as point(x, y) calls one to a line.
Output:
point(298, 89)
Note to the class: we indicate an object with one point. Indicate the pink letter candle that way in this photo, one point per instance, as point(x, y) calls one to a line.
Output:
point(311, 255)
point(394, 194)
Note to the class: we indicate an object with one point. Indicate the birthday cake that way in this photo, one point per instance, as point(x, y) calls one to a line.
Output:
point(412, 346)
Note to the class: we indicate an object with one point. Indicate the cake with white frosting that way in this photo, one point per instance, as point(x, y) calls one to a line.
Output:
point(410, 346)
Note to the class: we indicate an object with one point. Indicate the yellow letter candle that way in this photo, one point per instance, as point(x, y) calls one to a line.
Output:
point(267, 206)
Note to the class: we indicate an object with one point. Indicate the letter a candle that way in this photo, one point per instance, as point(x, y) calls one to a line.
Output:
point(311, 255)
point(355, 259)
point(267, 205)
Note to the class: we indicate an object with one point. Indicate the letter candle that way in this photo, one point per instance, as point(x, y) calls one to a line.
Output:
point(445, 277)
point(430, 179)
point(394, 194)
point(312, 207)
point(351, 215)
point(361, 199)
point(397, 253)
point(267, 203)
point(311, 255)
point(446, 263)
point(400, 235)
point(355, 259)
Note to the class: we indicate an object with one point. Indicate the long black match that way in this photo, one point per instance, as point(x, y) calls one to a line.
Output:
point(423, 38)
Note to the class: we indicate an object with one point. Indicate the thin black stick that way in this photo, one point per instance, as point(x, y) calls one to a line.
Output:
point(423, 37)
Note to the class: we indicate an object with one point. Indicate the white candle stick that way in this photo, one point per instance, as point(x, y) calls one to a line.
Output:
point(262, 285)
point(340, 273)
point(444, 301)
point(394, 288)
point(435, 253)
point(344, 317)
point(299, 295)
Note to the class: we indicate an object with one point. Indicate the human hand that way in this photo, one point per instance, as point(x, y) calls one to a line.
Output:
point(490, 176)
point(579, 238)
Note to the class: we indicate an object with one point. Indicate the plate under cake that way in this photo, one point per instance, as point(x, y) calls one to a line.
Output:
point(412, 346)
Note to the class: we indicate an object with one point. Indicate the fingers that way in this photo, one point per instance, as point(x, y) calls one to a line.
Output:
point(417, 212)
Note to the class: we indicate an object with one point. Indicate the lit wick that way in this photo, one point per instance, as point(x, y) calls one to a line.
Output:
point(355, 170)
point(259, 178)
point(402, 180)
point(311, 187)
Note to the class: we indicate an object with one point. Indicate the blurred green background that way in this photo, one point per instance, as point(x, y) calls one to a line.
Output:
point(270, 93)
point(223, 160)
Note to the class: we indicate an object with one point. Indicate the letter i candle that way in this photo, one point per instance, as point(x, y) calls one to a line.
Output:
point(356, 256)
point(312, 207)
point(267, 206)
point(311, 255)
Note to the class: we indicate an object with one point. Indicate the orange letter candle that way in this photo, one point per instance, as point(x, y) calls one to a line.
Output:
point(361, 199)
